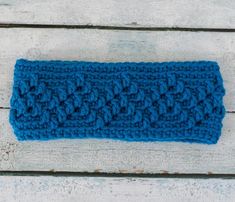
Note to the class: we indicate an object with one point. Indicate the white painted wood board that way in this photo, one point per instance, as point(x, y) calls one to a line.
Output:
point(110, 156)
point(101, 189)
point(134, 13)
point(92, 155)
point(110, 45)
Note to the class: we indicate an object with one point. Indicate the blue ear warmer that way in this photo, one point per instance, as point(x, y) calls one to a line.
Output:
point(169, 101)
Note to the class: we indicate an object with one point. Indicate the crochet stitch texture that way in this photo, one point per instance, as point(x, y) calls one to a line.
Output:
point(168, 101)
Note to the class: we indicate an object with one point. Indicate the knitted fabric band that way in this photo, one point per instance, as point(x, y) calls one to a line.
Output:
point(168, 101)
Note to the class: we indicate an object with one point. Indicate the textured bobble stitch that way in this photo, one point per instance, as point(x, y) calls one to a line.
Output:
point(168, 101)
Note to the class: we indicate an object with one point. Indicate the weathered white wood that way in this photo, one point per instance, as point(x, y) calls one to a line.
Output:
point(135, 13)
point(89, 189)
point(107, 45)
point(91, 155)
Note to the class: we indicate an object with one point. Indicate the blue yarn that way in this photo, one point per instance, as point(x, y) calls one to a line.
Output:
point(168, 101)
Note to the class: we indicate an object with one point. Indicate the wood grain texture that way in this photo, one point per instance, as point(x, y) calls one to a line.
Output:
point(100, 189)
point(92, 155)
point(134, 13)
point(109, 45)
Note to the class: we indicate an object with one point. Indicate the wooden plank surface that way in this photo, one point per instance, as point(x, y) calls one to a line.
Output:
point(134, 13)
point(89, 189)
point(108, 156)
point(109, 45)
point(92, 155)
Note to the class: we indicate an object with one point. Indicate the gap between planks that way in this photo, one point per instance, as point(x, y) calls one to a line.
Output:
point(60, 26)
point(116, 175)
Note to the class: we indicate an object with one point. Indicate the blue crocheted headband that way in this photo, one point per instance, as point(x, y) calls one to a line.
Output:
point(168, 101)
